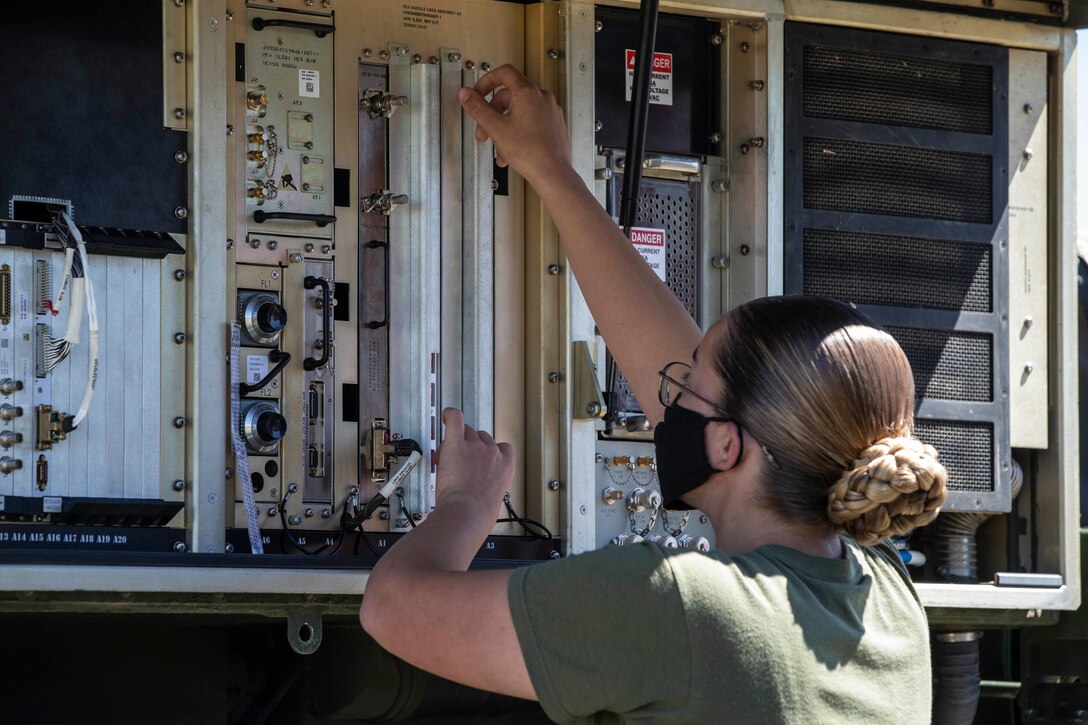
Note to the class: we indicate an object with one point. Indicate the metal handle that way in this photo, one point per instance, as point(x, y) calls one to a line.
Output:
point(260, 216)
point(378, 244)
point(326, 321)
point(319, 30)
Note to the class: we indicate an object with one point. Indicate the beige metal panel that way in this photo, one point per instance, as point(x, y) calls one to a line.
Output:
point(747, 139)
point(544, 345)
point(1057, 485)
point(1029, 323)
point(987, 596)
point(924, 22)
point(206, 404)
point(1045, 8)
point(578, 436)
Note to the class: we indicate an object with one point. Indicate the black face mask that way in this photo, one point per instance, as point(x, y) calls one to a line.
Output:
point(682, 464)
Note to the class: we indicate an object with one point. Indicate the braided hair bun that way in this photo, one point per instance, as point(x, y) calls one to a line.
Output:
point(896, 485)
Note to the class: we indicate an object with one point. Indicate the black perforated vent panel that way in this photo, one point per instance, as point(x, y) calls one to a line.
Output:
point(966, 450)
point(881, 269)
point(896, 201)
point(921, 92)
point(948, 365)
point(905, 181)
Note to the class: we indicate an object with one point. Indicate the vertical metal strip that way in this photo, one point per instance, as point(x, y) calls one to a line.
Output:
point(478, 297)
point(426, 244)
point(578, 438)
point(775, 157)
point(453, 238)
point(205, 417)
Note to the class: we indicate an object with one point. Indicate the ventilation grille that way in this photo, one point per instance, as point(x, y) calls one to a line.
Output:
point(904, 181)
point(966, 450)
point(676, 212)
point(879, 269)
point(948, 365)
point(916, 91)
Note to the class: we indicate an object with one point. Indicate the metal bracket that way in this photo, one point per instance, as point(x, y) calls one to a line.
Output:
point(304, 630)
point(588, 400)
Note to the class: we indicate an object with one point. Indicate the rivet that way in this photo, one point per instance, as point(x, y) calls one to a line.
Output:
point(553, 485)
point(1028, 154)
point(181, 156)
point(179, 57)
point(309, 247)
point(179, 338)
point(1029, 109)
point(744, 250)
point(758, 85)
point(384, 55)
point(326, 248)
point(230, 130)
point(417, 58)
point(179, 546)
point(255, 243)
point(485, 66)
point(273, 511)
point(553, 54)
point(745, 47)
point(744, 149)
point(716, 39)
point(470, 64)
point(454, 57)
point(719, 185)
point(296, 257)
point(602, 174)
point(230, 244)
point(179, 274)
point(309, 512)
point(326, 513)
point(179, 422)
point(553, 554)
point(702, 519)
point(179, 113)
point(272, 244)
point(294, 520)
point(229, 548)
point(494, 185)
point(716, 137)
point(309, 145)
point(553, 269)
point(383, 515)
point(720, 262)
point(1029, 368)
point(598, 126)
point(228, 473)
point(758, 142)
point(179, 485)
point(181, 212)
point(553, 377)
point(230, 15)
point(402, 51)
point(433, 60)
point(368, 53)
point(598, 26)
point(305, 187)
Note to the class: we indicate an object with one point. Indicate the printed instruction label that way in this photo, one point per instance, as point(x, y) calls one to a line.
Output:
point(52, 504)
point(660, 78)
point(309, 83)
point(256, 368)
point(650, 243)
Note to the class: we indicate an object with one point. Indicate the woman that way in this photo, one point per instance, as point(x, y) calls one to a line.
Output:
point(789, 426)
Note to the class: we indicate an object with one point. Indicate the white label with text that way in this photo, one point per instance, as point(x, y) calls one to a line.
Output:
point(660, 78)
point(650, 243)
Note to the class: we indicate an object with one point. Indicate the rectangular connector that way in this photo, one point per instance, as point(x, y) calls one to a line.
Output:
point(43, 338)
point(43, 286)
point(5, 295)
point(50, 427)
point(377, 446)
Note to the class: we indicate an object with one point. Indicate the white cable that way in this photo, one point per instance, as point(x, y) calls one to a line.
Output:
point(75, 316)
point(65, 278)
point(92, 323)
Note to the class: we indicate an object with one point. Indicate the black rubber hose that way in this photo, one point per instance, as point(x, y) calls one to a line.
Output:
point(956, 681)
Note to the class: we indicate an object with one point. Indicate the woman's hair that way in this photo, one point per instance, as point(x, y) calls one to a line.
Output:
point(830, 397)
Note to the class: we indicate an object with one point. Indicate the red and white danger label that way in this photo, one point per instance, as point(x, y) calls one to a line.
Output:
point(650, 243)
point(660, 77)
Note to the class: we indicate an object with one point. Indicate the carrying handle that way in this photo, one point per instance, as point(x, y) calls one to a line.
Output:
point(261, 216)
point(326, 321)
point(320, 30)
point(384, 246)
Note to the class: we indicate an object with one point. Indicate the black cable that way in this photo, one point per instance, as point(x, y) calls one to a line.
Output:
point(276, 355)
point(290, 536)
point(525, 523)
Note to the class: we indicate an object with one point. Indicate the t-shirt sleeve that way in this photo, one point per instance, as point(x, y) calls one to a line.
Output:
point(603, 631)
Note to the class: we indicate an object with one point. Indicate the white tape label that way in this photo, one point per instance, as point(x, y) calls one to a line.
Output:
point(309, 83)
point(660, 78)
point(650, 243)
point(51, 504)
point(256, 368)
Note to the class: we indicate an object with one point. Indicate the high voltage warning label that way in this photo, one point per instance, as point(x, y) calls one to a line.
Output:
point(650, 243)
point(660, 78)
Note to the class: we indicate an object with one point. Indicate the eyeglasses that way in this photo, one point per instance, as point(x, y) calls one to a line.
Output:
point(669, 389)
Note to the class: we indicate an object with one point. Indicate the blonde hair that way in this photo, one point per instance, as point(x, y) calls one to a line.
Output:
point(830, 396)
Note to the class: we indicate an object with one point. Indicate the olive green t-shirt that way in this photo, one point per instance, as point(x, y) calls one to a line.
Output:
point(646, 634)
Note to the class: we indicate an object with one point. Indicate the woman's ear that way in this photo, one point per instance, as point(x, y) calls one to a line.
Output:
point(723, 444)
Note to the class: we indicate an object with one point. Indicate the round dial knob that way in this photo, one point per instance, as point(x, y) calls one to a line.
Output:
point(263, 317)
point(263, 425)
point(271, 317)
point(271, 426)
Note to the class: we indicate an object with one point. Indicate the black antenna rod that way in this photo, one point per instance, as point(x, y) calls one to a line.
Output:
point(640, 109)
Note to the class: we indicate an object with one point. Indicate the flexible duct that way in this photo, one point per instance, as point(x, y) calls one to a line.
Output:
point(956, 675)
